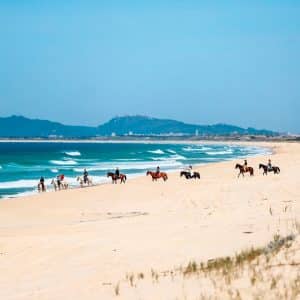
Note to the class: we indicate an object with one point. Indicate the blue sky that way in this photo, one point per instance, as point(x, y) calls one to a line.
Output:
point(83, 62)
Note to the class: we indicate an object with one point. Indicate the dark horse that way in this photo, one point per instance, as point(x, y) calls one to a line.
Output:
point(244, 170)
point(156, 175)
point(114, 177)
point(266, 169)
point(188, 175)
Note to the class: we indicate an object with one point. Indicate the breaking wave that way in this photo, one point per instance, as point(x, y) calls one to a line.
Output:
point(73, 153)
point(64, 162)
point(219, 152)
point(158, 151)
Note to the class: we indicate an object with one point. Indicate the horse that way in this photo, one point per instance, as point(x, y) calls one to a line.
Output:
point(63, 184)
point(244, 170)
point(196, 175)
point(188, 175)
point(156, 175)
point(115, 178)
point(89, 181)
point(266, 169)
point(41, 187)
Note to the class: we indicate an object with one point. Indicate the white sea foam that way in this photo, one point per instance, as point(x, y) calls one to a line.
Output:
point(69, 162)
point(191, 149)
point(171, 151)
point(158, 151)
point(178, 157)
point(126, 159)
point(54, 170)
point(219, 152)
point(129, 166)
point(22, 194)
point(73, 153)
point(22, 183)
point(196, 149)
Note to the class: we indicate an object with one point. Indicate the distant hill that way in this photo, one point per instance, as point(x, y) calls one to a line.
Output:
point(152, 126)
point(18, 126)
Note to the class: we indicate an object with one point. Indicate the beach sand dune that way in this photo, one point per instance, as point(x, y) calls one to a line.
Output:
point(79, 244)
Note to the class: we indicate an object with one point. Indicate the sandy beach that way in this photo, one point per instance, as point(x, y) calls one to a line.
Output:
point(82, 243)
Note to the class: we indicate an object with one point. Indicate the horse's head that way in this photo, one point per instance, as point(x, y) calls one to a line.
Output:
point(237, 166)
point(181, 173)
point(78, 178)
point(108, 174)
point(261, 166)
point(52, 181)
point(148, 173)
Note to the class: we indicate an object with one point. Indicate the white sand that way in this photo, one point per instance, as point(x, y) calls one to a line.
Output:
point(77, 244)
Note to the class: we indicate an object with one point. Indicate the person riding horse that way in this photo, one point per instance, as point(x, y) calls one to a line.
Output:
point(270, 168)
point(245, 165)
point(157, 170)
point(59, 179)
point(117, 173)
point(85, 176)
point(189, 170)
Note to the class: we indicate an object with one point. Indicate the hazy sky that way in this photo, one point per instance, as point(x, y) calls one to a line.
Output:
point(83, 62)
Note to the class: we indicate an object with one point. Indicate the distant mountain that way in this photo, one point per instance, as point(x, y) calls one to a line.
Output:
point(18, 126)
point(142, 125)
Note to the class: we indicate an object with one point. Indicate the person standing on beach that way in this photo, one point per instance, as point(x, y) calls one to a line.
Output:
point(42, 182)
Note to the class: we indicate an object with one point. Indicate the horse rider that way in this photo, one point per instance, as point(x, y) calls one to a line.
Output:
point(245, 165)
point(42, 182)
point(269, 165)
point(189, 170)
point(85, 176)
point(117, 173)
point(59, 179)
point(157, 170)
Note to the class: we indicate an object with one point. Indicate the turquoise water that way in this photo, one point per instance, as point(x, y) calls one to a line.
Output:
point(22, 164)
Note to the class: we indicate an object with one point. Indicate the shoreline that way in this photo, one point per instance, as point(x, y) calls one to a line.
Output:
point(79, 244)
point(171, 171)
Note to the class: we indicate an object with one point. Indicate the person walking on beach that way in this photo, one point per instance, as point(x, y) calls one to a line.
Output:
point(85, 176)
point(117, 173)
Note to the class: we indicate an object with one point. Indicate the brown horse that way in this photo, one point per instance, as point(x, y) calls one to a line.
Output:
point(156, 175)
point(115, 178)
point(244, 170)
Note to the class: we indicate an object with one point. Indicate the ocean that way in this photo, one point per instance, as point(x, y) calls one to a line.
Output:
point(23, 163)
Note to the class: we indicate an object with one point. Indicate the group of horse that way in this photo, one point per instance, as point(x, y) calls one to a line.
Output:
point(63, 185)
point(266, 169)
point(88, 181)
